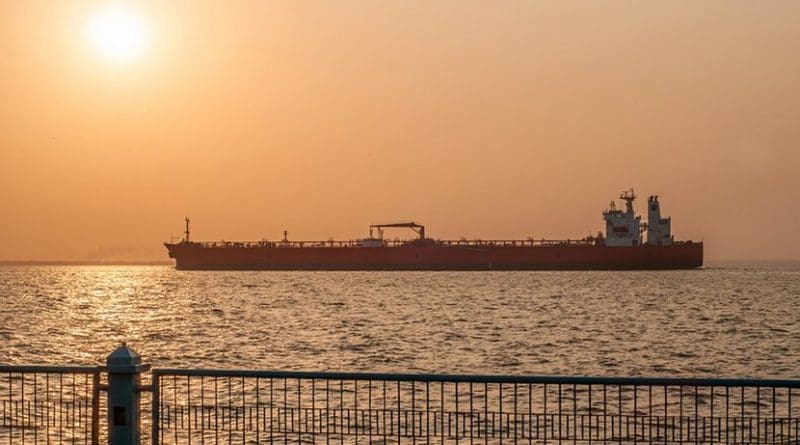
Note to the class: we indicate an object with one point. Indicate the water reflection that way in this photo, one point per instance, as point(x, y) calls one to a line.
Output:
point(709, 322)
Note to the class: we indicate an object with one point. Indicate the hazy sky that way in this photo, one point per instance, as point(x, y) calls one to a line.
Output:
point(480, 119)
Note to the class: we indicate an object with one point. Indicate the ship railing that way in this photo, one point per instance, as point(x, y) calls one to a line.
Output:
point(396, 243)
point(518, 242)
point(687, 243)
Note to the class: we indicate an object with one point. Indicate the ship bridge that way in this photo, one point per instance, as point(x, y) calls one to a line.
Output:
point(623, 228)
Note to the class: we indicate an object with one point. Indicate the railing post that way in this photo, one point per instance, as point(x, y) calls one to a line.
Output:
point(156, 409)
point(96, 406)
point(124, 367)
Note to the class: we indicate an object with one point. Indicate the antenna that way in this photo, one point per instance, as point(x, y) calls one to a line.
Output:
point(186, 231)
point(628, 196)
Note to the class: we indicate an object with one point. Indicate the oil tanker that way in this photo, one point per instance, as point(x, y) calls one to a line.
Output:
point(627, 244)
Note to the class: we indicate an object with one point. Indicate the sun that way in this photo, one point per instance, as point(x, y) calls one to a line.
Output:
point(117, 34)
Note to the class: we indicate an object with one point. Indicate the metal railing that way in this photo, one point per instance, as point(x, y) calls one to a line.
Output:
point(394, 243)
point(49, 404)
point(62, 405)
point(237, 406)
point(530, 242)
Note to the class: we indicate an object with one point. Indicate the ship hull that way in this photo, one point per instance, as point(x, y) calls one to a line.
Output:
point(193, 256)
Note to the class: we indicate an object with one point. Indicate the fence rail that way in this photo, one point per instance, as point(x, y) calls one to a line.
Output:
point(62, 404)
point(49, 404)
point(241, 406)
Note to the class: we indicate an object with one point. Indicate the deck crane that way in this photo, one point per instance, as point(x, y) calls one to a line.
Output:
point(418, 228)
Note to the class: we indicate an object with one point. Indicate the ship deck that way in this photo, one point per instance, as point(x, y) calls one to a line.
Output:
point(393, 243)
point(364, 243)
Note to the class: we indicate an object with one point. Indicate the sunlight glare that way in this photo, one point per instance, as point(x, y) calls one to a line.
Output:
point(117, 34)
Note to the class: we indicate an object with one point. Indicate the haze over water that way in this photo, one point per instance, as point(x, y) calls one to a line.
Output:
point(479, 119)
point(730, 321)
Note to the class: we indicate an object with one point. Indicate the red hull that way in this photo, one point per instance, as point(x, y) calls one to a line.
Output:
point(687, 255)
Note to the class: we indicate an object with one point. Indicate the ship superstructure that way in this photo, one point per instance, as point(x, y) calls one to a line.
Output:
point(658, 228)
point(623, 228)
point(620, 248)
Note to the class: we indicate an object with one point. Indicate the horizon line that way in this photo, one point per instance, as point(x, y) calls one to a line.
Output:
point(46, 262)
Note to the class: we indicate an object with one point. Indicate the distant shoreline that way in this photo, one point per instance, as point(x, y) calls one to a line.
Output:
point(83, 263)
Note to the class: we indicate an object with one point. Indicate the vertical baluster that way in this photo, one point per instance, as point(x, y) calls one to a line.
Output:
point(258, 411)
point(299, 413)
point(427, 412)
point(486, 413)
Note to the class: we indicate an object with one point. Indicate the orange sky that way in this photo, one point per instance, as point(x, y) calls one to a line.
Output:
point(479, 119)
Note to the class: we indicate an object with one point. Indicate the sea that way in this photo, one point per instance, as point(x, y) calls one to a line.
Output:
point(730, 320)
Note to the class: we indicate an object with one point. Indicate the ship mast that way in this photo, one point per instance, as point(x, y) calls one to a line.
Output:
point(628, 196)
point(186, 231)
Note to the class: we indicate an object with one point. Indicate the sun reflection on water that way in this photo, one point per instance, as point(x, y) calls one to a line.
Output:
point(542, 322)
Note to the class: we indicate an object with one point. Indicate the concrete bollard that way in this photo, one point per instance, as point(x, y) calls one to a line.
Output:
point(124, 367)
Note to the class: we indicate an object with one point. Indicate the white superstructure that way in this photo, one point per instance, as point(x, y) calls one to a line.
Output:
point(658, 228)
point(624, 228)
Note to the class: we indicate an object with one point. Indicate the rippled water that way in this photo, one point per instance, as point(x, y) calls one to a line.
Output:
point(713, 322)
